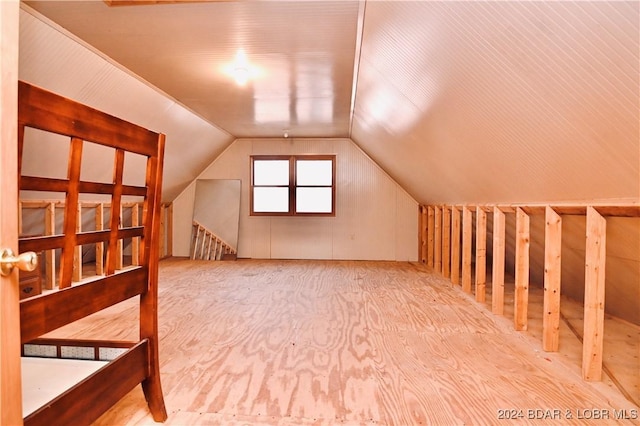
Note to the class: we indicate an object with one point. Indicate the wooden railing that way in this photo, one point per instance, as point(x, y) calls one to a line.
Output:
point(446, 242)
point(52, 207)
point(206, 245)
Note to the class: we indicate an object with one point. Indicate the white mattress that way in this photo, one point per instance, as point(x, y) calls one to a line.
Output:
point(45, 378)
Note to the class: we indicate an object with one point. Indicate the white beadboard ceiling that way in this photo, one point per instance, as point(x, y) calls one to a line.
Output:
point(466, 101)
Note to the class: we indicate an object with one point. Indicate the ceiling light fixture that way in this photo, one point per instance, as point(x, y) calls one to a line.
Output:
point(241, 72)
point(241, 75)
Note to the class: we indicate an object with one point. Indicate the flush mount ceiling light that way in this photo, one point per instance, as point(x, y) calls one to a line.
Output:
point(241, 75)
point(240, 70)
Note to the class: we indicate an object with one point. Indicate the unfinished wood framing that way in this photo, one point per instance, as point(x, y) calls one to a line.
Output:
point(497, 272)
point(437, 238)
point(163, 235)
point(50, 255)
point(521, 298)
point(594, 306)
point(168, 249)
point(446, 241)
point(51, 275)
point(422, 229)
point(135, 242)
point(77, 251)
point(430, 235)
point(166, 230)
point(455, 245)
point(467, 242)
point(481, 254)
point(552, 275)
point(120, 246)
point(100, 246)
point(594, 296)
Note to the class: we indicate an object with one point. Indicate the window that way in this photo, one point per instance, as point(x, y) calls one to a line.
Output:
point(293, 185)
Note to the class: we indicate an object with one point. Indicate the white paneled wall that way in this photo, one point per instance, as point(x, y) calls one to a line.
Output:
point(375, 218)
point(55, 60)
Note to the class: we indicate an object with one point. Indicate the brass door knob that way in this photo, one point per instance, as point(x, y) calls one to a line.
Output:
point(27, 261)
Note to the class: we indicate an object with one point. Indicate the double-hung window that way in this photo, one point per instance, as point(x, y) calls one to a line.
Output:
point(293, 185)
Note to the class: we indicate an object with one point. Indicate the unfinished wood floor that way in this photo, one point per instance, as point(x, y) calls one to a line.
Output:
point(324, 342)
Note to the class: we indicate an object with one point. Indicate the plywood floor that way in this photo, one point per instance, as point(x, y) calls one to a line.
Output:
point(320, 342)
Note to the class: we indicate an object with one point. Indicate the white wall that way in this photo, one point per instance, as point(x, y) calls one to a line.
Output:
point(375, 218)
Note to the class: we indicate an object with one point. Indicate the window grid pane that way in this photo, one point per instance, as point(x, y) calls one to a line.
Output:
point(314, 172)
point(270, 172)
point(271, 199)
point(314, 199)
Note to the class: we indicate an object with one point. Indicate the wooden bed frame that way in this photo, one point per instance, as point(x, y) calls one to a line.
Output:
point(86, 401)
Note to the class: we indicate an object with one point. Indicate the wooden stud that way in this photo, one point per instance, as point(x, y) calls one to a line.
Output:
point(437, 239)
point(521, 296)
point(430, 236)
point(481, 254)
point(596, 252)
point(455, 246)
point(497, 272)
point(446, 242)
point(467, 242)
point(163, 213)
point(169, 225)
point(77, 251)
point(135, 242)
point(50, 255)
point(120, 248)
point(99, 246)
point(423, 234)
point(552, 274)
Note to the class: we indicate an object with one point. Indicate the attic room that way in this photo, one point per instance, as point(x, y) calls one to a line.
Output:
point(320, 212)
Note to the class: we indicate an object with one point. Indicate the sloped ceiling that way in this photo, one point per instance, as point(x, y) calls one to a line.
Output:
point(502, 101)
point(458, 101)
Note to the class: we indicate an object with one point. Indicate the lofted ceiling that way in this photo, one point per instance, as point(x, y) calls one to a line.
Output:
point(466, 101)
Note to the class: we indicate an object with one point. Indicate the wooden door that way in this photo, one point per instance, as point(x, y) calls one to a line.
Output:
point(10, 379)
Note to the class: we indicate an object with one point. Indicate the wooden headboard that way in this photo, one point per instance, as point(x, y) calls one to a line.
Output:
point(71, 301)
